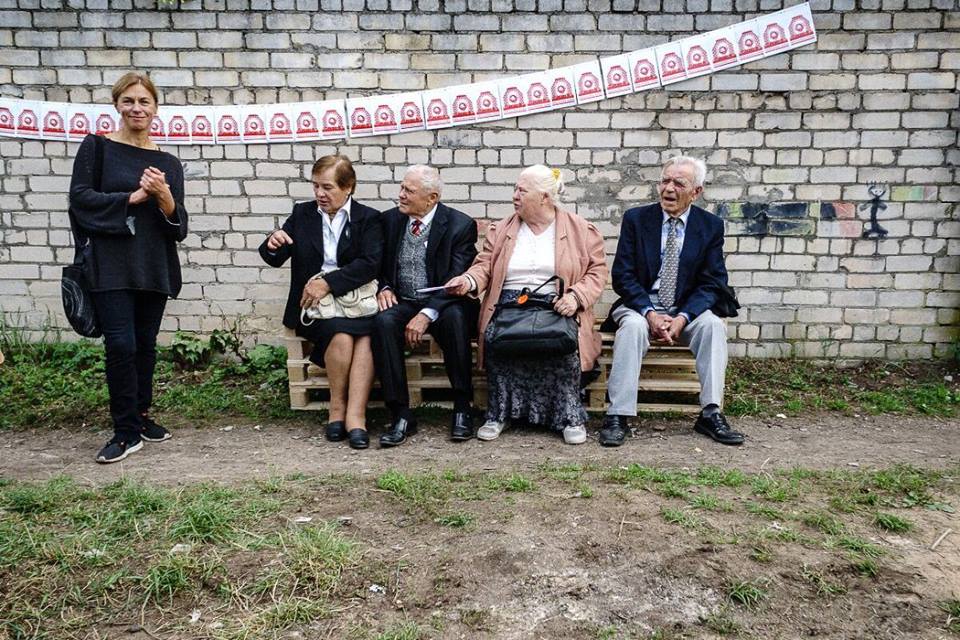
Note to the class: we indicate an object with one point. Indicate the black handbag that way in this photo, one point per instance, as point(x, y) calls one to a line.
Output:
point(530, 328)
point(75, 282)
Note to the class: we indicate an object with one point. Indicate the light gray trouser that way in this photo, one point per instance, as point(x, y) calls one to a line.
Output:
point(707, 338)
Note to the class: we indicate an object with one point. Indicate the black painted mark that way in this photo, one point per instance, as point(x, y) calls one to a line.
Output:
point(874, 230)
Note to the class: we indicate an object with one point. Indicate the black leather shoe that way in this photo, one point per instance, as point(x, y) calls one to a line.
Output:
point(717, 428)
point(614, 431)
point(336, 431)
point(359, 439)
point(461, 427)
point(398, 432)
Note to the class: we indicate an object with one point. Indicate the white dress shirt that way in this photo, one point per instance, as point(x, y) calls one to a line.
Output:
point(332, 230)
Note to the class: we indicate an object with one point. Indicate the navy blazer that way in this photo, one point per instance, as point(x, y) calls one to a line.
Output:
point(451, 248)
point(358, 253)
point(637, 263)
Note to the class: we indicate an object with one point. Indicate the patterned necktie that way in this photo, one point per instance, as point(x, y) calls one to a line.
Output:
point(416, 227)
point(671, 258)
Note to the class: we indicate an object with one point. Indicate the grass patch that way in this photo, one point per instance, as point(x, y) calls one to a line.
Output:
point(748, 593)
point(820, 583)
point(758, 387)
point(63, 384)
point(824, 523)
point(682, 518)
point(457, 520)
point(952, 609)
point(891, 523)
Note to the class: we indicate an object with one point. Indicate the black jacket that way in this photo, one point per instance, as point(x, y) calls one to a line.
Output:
point(358, 253)
point(451, 248)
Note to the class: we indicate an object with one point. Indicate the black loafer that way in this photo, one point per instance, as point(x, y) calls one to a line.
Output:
point(716, 427)
point(461, 427)
point(614, 431)
point(359, 439)
point(398, 432)
point(336, 431)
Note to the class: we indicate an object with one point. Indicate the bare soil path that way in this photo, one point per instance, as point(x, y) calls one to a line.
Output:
point(236, 451)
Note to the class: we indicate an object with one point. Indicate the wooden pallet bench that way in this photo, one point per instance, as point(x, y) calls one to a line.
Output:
point(668, 379)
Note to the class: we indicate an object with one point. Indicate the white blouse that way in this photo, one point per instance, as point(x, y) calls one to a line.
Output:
point(533, 260)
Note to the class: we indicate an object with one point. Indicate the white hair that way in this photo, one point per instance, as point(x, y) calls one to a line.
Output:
point(429, 177)
point(699, 167)
point(545, 180)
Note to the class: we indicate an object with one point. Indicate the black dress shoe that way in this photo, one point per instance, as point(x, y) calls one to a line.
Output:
point(336, 431)
point(359, 439)
point(398, 432)
point(461, 427)
point(717, 428)
point(614, 431)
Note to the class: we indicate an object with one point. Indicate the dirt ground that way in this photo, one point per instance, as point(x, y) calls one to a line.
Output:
point(546, 564)
point(238, 451)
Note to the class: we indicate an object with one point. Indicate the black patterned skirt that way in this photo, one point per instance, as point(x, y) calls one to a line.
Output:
point(542, 391)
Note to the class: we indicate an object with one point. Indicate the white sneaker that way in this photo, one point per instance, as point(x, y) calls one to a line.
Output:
point(577, 434)
point(490, 430)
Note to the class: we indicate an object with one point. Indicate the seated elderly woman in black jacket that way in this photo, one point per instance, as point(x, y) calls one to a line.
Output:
point(342, 239)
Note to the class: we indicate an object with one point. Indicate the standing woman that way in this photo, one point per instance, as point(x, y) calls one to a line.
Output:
point(334, 244)
point(126, 197)
point(538, 241)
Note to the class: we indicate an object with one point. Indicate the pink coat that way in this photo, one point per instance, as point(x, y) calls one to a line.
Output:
point(580, 261)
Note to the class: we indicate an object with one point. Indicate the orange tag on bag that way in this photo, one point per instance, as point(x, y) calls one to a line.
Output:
point(522, 299)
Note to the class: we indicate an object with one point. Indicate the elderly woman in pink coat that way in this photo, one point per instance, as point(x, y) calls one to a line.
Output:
point(538, 241)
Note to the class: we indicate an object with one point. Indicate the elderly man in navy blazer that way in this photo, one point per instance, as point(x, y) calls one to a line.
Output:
point(669, 271)
point(427, 244)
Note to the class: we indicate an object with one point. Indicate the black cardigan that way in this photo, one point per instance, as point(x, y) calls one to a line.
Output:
point(358, 253)
point(134, 246)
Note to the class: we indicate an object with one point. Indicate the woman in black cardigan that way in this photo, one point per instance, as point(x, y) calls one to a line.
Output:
point(343, 239)
point(126, 198)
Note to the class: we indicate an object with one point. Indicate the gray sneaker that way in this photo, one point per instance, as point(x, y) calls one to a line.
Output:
point(577, 434)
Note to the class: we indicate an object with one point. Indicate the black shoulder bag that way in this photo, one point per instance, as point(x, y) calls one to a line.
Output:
point(75, 283)
point(530, 328)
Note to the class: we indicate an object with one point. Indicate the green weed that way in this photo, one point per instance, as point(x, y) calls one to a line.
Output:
point(749, 593)
point(952, 609)
point(892, 523)
point(457, 520)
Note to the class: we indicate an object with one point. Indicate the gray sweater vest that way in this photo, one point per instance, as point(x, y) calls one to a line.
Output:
point(412, 263)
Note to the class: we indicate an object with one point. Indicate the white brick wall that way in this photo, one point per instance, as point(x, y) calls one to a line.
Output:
point(874, 100)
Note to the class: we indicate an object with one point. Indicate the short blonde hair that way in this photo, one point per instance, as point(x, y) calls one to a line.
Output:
point(129, 79)
point(546, 180)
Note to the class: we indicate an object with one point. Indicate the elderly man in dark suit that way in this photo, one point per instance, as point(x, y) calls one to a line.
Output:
point(669, 271)
point(427, 244)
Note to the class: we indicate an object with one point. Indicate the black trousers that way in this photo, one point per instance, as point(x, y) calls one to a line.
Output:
point(452, 331)
point(130, 321)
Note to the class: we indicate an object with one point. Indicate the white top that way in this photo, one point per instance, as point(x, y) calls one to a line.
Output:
point(331, 234)
point(534, 259)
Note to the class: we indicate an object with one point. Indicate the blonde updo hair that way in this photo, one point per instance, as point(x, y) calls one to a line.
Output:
point(546, 180)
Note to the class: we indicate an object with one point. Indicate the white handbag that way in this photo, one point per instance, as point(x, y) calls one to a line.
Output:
point(358, 303)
